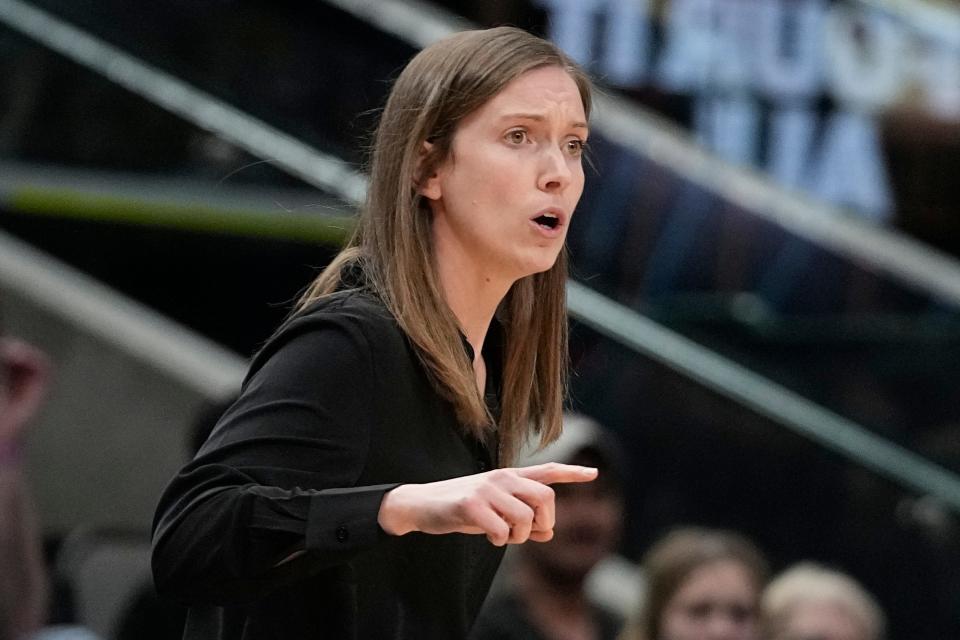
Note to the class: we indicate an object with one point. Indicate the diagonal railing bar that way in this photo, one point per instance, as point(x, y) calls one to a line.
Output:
point(622, 324)
point(198, 107)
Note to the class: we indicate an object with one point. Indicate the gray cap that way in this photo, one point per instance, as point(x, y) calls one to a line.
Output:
point(580, 433)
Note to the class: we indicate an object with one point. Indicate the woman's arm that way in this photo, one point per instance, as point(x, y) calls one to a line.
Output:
point(271, 496)
point(507, 505)
point(276, 476)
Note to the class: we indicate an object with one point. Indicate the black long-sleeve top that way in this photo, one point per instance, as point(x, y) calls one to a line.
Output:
point(335, 411)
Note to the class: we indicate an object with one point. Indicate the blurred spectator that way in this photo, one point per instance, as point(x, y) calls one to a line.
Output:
point(702, 584)
point(547, 597)
point(24, 584)
point(148, 616)
point(811, 602)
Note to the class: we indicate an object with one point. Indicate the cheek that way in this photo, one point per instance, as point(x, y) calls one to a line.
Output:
point(486, 179)
point(675, 624)
point(508, 174)
point(575, 190)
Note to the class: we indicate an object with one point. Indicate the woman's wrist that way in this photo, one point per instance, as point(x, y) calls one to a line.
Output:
point(395, 516)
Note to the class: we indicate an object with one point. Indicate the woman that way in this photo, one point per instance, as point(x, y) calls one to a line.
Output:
point(415, 364)
point(702, 584)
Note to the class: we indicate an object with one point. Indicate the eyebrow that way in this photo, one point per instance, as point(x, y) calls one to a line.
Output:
point(539, 118)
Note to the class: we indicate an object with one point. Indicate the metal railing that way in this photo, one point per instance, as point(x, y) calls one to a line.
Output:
point(193, 105)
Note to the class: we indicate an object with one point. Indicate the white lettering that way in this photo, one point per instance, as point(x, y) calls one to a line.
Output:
point(850, 171)
point(866, 52)
point(938, 71)
point(627, 53)
point(727, 54)
point(570, 26)
point(789, 144)
point(730, 62)
point(684, 65)
point(729, 126)
point(789, 60)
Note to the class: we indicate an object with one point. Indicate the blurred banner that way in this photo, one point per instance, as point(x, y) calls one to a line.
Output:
point(801, 89)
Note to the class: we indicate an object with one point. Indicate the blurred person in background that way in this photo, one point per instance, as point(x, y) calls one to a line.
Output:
point(371, 425)
point(812, 602)
point(23, 579)
point(24, 582)
point(146, 615)
point(701, 584)
point(547, 596)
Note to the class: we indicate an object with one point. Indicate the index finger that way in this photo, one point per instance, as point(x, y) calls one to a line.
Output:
point(554, 472)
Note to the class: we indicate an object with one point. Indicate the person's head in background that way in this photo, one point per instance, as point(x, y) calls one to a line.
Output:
point(812, 602)
point(23, 378)
point(23, 584)
point(701, 584)
point(589, 516)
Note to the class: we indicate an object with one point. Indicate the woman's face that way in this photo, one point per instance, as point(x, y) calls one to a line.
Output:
point(503, 199)
point(718, 601)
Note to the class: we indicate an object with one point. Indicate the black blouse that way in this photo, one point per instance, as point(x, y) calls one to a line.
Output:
point(336, 411)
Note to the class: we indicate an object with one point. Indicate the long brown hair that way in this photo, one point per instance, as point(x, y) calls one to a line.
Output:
point(441, 85)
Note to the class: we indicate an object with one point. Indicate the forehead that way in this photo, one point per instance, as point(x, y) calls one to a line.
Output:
point(829, 618)
point(539, 89)
point(726, 578)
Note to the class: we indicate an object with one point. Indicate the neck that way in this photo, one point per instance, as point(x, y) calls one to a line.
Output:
point(472, 292)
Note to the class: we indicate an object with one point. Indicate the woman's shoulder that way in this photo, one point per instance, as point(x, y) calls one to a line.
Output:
point(360, 306)
point(354, 318)
point(355, 302)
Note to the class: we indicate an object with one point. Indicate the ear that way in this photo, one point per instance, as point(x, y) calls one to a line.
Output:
point(428, 186)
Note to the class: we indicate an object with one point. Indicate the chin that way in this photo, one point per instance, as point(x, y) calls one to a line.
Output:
point(539, 264)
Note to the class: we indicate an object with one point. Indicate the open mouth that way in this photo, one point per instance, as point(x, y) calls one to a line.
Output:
point(547, 220)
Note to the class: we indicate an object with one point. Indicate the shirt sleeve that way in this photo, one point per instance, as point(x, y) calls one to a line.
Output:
point(271, 496)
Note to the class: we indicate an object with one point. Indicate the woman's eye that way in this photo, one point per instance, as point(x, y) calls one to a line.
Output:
point(575, 147)
point(517, 136)
point(699, 610)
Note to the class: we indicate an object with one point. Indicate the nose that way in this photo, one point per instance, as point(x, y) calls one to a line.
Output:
point(554, 174)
